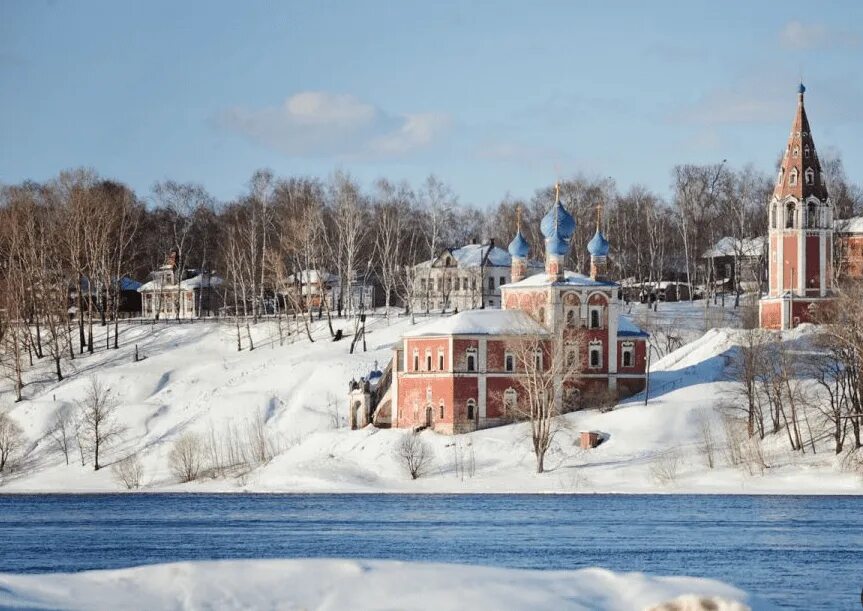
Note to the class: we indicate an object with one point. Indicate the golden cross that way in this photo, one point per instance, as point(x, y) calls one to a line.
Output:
point(557, 191)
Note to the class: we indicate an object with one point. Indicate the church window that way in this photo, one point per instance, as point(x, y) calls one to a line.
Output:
point(595, 355)
point(471, 359)
point(595, 317)
point(628, 354)
point(440, 356)
point(537, 360)
point(789, 216)
point(811, 216)
point(792, 177)
point(471, 409)
point(428, 360)
point(441, 410)
point(509, 362)
point(570, 317)
point(510, 399)
point(416, 360)
point(796, 152)
point(806, 151)
point(809, 176)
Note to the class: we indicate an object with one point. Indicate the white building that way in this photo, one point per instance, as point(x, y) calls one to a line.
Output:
point(194, 297)
point(463, 278)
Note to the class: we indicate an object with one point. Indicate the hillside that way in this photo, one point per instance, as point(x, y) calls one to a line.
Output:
point(192, 379)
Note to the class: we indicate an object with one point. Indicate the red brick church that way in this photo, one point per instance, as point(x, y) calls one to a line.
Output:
point(800, 235)
point(462, 373)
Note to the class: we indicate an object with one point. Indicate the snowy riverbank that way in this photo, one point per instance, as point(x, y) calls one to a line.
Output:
point(194, 380)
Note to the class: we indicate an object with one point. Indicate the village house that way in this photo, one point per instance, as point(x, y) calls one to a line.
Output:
point(311, 289)
point(732, 263)
point(468, 371)
point(464, 278)
point(167, 295)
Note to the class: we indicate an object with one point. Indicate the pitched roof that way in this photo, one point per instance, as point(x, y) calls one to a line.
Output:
point(729, 247)
point(569, 278)
point(472, 255)
point(800, 156)
point(481, 322)
point(627, 328)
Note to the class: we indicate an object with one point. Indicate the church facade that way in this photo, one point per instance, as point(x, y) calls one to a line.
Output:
point(469, 371)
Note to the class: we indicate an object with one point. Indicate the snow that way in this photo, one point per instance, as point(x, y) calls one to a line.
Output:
point(194, 380)
point(189, 283)
point(471, 255)
point(481, 322)
point(360, 584)
point(729, 247)
point(569, 277)
point(850, 225)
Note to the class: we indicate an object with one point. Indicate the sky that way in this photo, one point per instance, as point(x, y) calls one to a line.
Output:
point(497, 99)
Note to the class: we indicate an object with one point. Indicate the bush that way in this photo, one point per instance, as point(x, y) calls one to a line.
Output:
point(186, 457)
point(128, 472)
point(664, 467)
point(414, 454)
point(11, 439)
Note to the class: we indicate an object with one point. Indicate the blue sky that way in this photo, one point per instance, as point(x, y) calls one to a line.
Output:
point(495, 98)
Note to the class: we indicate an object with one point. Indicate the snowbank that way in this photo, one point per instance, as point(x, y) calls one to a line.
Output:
point(350, 584)
point(194, 380)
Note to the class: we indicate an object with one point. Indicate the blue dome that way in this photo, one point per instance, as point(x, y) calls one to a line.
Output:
point(556, 245)
point(563, 219)
point(519, 246)
point(598, 245)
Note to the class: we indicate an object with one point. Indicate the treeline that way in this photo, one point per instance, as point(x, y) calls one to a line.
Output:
point(79, 233)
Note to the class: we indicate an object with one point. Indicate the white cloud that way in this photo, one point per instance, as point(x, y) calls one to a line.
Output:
point(317, 123)
point(799, 35)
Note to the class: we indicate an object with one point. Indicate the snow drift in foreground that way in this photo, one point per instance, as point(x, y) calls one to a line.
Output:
point(373, 584)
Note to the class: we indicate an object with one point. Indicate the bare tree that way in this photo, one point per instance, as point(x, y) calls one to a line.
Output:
point(128, 472)
point(62, 431)
point(11, 439)
point(98, 418)
point(186, 457)
point(414, 454)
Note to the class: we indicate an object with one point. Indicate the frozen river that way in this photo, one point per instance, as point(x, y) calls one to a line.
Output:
point(800, 552)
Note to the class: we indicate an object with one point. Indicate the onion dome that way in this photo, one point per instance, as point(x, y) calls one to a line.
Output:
point(556, 245)
point(558, 222)
point(519, 246)
point(598, 245)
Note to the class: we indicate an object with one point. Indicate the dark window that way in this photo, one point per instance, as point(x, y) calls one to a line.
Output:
point(491, 283)
point(502, 280)
point(542, 315)
point(416, 362)
point(594, 319)
point(508, 363)
point(441, 412)
point(470, 410)
point(471, 362)
point(428, 362)
point(570, 318)
point(594, 358)
point(627, 358)
point(440, 361)
point(789, 217)
point(538, 359)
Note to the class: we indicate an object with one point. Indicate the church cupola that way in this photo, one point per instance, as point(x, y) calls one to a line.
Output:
point(557, 226)
point(519, 250)
point(598, 249)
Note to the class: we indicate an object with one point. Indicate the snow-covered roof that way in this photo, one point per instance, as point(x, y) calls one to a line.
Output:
point(195, 282)
point(471, 255)
point(312, 276)
point(481, 322)
point(627, 328)
point(728, 247)
point(852, 225)
point(569, 277)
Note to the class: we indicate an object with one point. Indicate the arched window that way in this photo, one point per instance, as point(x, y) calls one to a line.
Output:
point(628, 354)
point(595, 317)
point(789, 215)
point(806, 152)
point(440, 356)
point(796, 152)
point(509, 361)
point(510, 400)
point(428, 360)
point(809, 176)
point(595, 355)
point(471, 359)
point(416, 360)
point(792, 177)
point(570, 317)
point(811, 215)
point(471, 409)
point(537, 360)
point(441, 410)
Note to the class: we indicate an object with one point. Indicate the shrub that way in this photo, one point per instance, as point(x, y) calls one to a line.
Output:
point(128, 472)
point(414, 454)
point(185, 457)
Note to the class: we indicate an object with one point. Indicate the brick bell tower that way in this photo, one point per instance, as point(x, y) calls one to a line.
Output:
point(800, 235)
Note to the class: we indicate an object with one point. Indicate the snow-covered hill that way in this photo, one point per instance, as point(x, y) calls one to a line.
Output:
point(193, 379)
point(373, 584)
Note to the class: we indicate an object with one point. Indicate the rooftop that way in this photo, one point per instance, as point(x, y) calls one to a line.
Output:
point(569, 278)
point(481, 322)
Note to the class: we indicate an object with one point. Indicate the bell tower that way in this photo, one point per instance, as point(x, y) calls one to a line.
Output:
point(800, 238)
